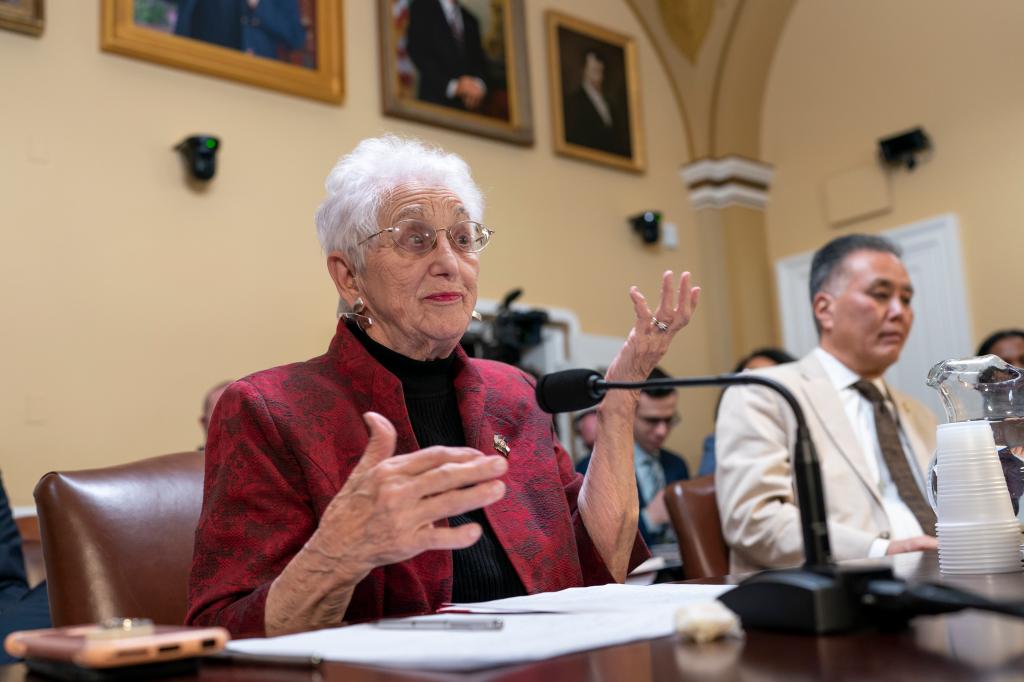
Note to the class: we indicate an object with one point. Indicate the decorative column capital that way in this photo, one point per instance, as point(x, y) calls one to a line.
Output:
point(727, 181)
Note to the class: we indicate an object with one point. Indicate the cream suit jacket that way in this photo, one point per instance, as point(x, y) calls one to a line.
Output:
point(754, 485)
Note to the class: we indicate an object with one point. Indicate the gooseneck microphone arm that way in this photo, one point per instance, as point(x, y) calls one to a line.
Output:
point(577, 389)
point(806, 467)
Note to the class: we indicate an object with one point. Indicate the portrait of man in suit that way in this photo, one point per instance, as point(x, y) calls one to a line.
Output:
point(458, 64)
point(452, 53)
point(594, 92)
point(595, 114)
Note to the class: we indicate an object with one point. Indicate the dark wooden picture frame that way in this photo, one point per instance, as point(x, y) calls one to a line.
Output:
point(23, 16)
point(426, 55)
point(310, 65)
point(595, 93)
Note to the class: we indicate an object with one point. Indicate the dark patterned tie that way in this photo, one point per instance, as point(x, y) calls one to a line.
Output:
point(892, 452)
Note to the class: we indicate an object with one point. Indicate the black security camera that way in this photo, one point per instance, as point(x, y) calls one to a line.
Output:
point(200, 155)
point(902, 149)
point(647, 225)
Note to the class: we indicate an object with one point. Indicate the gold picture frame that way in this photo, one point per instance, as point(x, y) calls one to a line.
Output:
point(307, 64)
point(423, 51)
point(23, 16)
point(595, 93)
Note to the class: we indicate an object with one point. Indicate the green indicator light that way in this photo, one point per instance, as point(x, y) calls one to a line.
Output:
point(210, 144)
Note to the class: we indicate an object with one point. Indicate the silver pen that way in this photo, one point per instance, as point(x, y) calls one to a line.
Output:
point(441, 624)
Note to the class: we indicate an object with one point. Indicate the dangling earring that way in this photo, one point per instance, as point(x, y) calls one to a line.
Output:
point(358, 306)
point(476, 316)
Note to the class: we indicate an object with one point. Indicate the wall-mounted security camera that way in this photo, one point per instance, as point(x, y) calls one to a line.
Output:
point(647, 225)
point(902, 149)
point(200, 155)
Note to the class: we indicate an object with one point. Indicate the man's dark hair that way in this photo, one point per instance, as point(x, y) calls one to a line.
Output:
point(992, 339)
point(658, 373)
point(829, 258)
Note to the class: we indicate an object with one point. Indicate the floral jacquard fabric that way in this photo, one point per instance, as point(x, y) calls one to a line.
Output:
point(283, 441)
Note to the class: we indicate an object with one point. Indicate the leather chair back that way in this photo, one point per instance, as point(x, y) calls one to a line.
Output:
point(694, 513)
point(118, 541)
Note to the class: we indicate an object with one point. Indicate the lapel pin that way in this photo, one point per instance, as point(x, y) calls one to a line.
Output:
point(501, 445)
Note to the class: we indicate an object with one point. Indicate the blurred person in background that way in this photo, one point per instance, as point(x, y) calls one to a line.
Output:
point(210, 402)
point(1007, 344)
point(21, 608)
point(762, 357)
point(654, 466)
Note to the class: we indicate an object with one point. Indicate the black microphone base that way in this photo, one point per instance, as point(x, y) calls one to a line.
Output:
point(818, 601)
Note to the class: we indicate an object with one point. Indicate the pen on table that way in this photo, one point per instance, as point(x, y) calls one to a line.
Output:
point(441, 624)
point(241, 658)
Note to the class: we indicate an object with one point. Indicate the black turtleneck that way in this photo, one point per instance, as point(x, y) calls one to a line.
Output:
point(481, 572)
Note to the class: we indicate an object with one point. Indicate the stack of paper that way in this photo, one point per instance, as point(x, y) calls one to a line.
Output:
point(535, 627)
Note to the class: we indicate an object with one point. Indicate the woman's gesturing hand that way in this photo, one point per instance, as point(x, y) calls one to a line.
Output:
point(653, 331)
point(385, 512)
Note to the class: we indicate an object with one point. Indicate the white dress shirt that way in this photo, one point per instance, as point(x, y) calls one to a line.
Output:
point(596, 98)
point(861, 414)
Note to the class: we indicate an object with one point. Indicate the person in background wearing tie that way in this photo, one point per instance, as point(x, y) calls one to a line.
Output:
point(655, 467)
point(443, 41)
point(873, 443)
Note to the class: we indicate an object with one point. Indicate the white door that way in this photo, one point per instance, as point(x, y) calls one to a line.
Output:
point(942, 327)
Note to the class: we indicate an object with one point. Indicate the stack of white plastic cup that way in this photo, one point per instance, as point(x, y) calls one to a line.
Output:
point(977, 529)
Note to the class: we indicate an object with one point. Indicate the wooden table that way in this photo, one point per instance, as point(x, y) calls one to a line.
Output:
point(964, 646)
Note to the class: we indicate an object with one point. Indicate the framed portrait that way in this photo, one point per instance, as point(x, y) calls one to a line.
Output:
point(595, 94)
point(24, 16)
point(461, 65)
point(289, 45)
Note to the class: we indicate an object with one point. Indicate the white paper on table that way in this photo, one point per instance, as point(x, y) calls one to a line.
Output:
point(584, 618)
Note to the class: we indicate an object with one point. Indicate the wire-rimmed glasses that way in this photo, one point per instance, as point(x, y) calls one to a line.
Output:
point(419, 237)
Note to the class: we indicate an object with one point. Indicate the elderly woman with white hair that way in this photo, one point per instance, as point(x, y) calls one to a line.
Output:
point(394, 474)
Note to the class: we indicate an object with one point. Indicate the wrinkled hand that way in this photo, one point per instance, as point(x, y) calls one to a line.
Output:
point(657, 512)
point(469, 90)
point(918, 543)
point(647, 343)
point(385, 512)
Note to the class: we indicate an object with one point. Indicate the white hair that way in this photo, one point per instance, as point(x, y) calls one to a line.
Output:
point(361, 182)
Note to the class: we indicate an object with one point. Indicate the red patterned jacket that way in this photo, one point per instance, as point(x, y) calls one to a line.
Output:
point(283, 441)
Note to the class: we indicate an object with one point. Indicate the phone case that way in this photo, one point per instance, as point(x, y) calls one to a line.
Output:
point(75, 644)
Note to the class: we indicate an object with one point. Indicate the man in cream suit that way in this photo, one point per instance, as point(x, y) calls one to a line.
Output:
point(873, 443)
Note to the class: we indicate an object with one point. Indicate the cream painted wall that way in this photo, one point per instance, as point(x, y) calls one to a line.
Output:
point(126, 294)
point(847, 73)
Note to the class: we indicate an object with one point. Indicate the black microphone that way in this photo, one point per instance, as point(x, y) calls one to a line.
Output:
point(578, 389)
point(569, 391)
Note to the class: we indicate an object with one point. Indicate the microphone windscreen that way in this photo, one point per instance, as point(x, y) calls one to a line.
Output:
point(567, 391)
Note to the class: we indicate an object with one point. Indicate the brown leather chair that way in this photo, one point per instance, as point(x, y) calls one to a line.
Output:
point(118, 541)
point(694, 513)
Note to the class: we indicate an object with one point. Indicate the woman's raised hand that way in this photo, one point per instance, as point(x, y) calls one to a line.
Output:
point(653, 331)
point(385, 512)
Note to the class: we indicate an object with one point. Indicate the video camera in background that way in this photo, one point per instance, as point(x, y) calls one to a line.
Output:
point(508, 335)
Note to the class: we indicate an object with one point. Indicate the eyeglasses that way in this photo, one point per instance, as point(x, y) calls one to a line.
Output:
point(653, 422)
point(419, 237)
